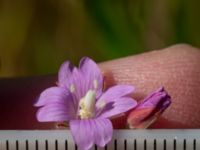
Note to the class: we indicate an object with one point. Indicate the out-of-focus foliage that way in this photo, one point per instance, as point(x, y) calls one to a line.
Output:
point(36, 36)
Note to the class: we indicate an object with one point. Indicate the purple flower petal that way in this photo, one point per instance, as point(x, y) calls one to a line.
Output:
point(65, 74)
point(115, 92)
point(119, 106)
point(57, 105)
point(149, 109)
point(52, 95)
point(159, 98)
point(71, 78)
point(87, 77)
point(92, 75)
point(103, 130)
point(56, 112)
point(87, 132)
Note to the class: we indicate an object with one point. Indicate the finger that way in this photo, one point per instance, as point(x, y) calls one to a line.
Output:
point(176, 68)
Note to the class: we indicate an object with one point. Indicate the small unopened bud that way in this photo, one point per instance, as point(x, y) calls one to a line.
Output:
point(148, 111)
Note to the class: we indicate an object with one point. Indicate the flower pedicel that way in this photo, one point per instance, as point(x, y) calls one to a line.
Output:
point(80, 100)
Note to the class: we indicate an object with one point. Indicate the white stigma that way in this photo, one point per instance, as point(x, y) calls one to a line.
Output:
point(72, 88)
point(87, 105)
point(90, 100)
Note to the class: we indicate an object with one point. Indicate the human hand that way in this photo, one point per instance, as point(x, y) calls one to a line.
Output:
point(176, 68)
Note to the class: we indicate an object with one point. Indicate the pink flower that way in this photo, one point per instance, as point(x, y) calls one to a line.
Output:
point(149, 109)
point(80, 100)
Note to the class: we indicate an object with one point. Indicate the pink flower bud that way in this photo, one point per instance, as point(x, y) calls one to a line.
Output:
point(148, 110)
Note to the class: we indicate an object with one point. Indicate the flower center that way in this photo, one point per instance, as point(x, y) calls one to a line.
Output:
point(87, 105)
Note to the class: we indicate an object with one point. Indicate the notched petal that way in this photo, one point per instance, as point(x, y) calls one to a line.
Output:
point(65, 74)
point(92, 74)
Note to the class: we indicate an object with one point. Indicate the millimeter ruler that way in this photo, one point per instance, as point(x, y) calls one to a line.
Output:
point(156, 139)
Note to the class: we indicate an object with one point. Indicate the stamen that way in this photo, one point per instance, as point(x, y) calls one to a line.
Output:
point(90, 100)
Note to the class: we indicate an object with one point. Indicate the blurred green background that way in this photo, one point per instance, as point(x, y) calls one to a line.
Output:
point(36, 36)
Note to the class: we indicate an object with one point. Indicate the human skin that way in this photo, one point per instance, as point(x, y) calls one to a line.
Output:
point(177, 68)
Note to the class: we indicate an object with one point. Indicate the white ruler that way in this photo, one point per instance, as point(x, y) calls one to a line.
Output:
point(188, 139)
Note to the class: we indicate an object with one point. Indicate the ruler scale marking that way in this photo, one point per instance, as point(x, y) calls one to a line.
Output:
point(125, 144)
point(7, 145)
point(184, 144)
point(36, 145)
point(27, 147)
point(66, 145)
point(46, 145)
point(115, 145)
point(122, 140)
point(56, 144)
point(17, 145)
point(194, 144)
point(155, 145)
point(145, 144)
point(135, 144)
point(174, 144)
point(165, 145)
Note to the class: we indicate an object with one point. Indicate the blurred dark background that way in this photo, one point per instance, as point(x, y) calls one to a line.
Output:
point(36, 36)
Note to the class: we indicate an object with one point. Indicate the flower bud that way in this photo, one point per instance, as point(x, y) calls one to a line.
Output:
point(148, 110)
